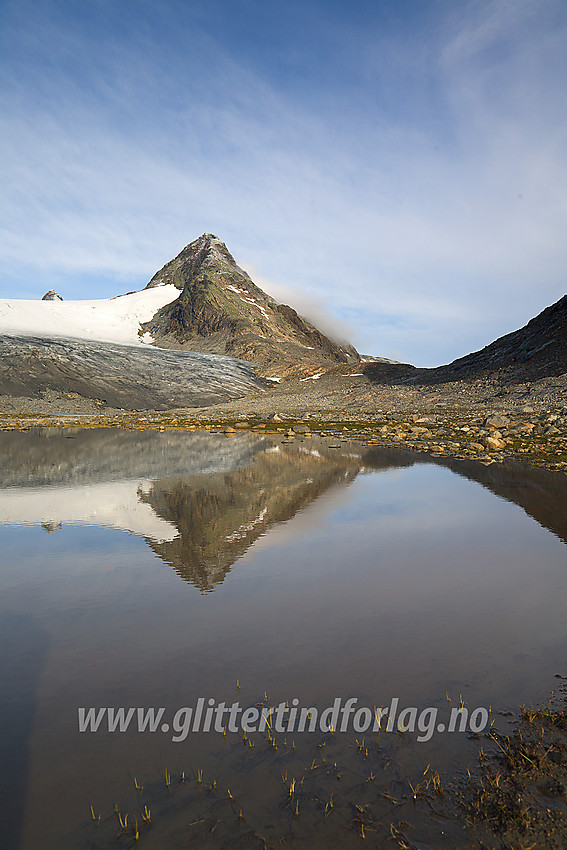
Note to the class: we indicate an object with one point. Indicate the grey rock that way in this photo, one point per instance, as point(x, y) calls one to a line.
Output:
point(496, 421)
point(52, 296)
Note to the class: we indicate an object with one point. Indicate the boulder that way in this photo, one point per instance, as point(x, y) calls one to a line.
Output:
point(476, 447)
point(496, 421)
point(492, 444)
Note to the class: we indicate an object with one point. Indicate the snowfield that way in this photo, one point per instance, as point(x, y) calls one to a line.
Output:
point(115, 320)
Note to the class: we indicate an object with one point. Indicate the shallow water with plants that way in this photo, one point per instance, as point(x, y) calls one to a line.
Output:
point(144, 570)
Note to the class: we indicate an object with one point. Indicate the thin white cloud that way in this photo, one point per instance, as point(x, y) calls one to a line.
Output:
point(316, 310)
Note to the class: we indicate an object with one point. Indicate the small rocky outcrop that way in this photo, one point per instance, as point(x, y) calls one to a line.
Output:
point(52, 296)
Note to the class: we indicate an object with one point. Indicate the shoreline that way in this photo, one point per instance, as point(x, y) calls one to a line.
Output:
point(485, 438)
point(491, 419)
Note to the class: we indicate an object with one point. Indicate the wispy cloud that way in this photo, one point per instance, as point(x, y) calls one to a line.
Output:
point(410, 178)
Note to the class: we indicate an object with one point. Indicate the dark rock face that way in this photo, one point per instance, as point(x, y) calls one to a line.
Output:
point(221, 310)
point(51, 296)
point(125, 376)
point(538, 350)
point(207, 250)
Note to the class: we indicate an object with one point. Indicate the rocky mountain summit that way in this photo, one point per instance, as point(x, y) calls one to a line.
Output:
point(220, 310)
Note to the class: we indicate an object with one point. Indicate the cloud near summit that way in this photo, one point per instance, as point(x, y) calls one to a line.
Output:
point(308, 306)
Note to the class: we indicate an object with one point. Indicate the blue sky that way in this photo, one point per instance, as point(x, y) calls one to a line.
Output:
point(395, 169)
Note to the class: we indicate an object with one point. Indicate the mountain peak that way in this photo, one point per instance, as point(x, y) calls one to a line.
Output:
point(221, 310)
point(206, 250)
point(214, 247)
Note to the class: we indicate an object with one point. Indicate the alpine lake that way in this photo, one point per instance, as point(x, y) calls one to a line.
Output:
point(185, 571)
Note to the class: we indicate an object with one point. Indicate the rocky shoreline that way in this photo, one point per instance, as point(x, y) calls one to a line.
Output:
point(482, 421)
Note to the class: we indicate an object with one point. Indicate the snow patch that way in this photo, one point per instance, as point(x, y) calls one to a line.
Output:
point(243, 530)
point(312, 452)
point(106, 320)
point(247, 299)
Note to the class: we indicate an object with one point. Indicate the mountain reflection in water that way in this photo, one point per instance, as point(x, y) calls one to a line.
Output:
point(201, 500)
point(349, 575)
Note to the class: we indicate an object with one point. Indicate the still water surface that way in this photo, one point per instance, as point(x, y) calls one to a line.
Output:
point(148, 569)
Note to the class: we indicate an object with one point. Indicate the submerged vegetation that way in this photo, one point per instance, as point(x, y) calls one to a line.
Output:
point(336, 791)
point(518, 794)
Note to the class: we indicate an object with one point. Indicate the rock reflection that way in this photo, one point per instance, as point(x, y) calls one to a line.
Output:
point(219, 516)
point(200, 500)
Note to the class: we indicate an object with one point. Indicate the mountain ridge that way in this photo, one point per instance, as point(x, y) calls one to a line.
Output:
point(521, 351)
point(182, 340)
point(536, 350)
